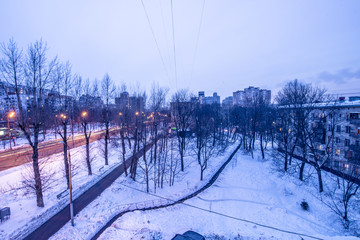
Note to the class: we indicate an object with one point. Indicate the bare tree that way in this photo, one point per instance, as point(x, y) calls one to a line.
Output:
point(36, 70)
point(182, 110)
point(204, 147)
point(342, 196)
point(301, 99)
point(108, 90)
point(63, 80)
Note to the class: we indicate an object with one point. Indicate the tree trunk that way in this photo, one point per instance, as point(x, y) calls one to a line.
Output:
point(66, 163)
point(35, 158)
point(301, 174)
point(134, 158)
point(261, 146)
point(88, 155)
point(87, 139)
point(106, 143)
point(123, 151)
point(318, 171)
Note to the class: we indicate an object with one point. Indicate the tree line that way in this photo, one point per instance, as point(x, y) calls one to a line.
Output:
point(60, 100)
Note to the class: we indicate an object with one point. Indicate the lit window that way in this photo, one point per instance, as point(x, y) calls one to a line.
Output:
point(337, 152)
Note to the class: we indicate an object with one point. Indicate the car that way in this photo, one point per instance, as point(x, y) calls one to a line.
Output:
point(189, 235)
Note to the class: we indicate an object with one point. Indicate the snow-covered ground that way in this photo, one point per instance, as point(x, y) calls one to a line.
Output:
point(126, 194)
point(25, 215)
point(248, 190)
point(250, 200)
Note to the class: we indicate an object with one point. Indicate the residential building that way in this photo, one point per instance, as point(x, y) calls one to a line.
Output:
point(214, 99)
point(242, 98)
point(123, 101)
point(337, 133)
point(228, 102)
point(137, 104)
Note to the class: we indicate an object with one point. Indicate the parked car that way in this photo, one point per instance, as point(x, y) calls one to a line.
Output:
point(189, 235)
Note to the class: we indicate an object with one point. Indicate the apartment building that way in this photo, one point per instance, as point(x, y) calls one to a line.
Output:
point(338, 131)
point(242, 98)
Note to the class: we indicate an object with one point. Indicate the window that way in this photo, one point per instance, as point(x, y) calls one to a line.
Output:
point(338, 128)
point(337, 152)
point(347, 142)
point(348, 129)
point(337, 140)
point(357, 143)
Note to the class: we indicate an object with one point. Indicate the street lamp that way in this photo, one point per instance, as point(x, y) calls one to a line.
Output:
point(10, 115)
point(84, 114)
point(63, 116)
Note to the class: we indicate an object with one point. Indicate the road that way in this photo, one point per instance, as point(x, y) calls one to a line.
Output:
point(18, 156)
point(54, 224)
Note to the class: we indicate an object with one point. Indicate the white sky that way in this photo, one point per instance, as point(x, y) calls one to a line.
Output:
point(241, 43)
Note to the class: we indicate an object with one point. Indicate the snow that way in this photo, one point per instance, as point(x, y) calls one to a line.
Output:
point(252, 193)
point(25, 215)
point(249, 190)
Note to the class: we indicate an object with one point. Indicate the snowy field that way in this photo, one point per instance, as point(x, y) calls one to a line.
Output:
point(25, 215)
point(126, 194)
point(248, 190)
point(251, 199)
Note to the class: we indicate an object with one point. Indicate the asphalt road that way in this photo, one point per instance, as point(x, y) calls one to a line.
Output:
point(54, 224)
point(20, 155)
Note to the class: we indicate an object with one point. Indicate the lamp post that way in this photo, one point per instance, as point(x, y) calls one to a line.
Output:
point(70, 188)
point(10, 115)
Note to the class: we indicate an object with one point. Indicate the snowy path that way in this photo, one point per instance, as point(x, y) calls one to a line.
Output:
point(172, 203)
point(248, 201)
point(51, 226)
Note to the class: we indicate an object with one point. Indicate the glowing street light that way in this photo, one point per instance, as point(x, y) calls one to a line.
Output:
point(10, 115)
point(63, 116)
point(84, 114)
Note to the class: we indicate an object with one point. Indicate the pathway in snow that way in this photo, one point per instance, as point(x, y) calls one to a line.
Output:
point(172, 203)
point(249, 199)
point(50, 227)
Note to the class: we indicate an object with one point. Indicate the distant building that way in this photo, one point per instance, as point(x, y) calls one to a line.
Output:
point(241, 98)
point(123, 102)
point(208, 100)
point(228, 102)
point(90, 101)
point(137, 104)
point(9, 102)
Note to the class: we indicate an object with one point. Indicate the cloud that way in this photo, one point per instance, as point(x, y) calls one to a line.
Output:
point(340, 77)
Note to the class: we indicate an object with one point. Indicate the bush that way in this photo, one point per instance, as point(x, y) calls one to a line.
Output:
point(304, 205)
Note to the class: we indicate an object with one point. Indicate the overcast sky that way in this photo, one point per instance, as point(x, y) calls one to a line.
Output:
point(240, 43)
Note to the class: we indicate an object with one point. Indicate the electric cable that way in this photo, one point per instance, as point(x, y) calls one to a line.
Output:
point(155, 39)
point(197, 40)
point(173, 36)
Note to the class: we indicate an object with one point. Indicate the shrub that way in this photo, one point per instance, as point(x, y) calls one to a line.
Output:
point(304, 205)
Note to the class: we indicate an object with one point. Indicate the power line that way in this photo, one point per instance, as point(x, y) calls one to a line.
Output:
point(197, 40)
point(165, 34)
point(154, 37)
point(173, 35)
point(222, 214)
point(173, 202)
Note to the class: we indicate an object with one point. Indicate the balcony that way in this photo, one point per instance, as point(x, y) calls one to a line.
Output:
point(355, 135)
point(355, 121)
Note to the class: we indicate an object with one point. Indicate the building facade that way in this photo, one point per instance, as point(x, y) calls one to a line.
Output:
point(242, 98)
